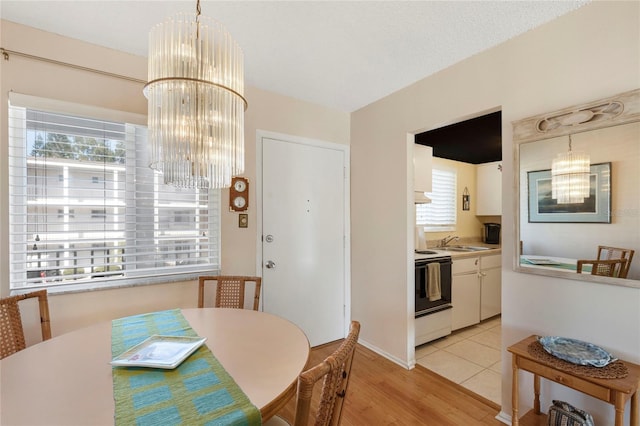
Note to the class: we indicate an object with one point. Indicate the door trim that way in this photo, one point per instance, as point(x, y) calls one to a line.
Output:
point(345, 149)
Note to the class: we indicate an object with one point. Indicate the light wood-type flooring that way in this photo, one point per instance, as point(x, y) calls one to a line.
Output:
point(383, 393)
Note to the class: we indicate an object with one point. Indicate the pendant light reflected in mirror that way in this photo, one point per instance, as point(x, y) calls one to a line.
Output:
point(570, 177)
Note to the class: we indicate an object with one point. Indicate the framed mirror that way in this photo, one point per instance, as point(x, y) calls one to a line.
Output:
point(564, 215)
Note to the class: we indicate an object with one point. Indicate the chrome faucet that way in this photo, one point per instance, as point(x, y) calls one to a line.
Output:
point(447, 240)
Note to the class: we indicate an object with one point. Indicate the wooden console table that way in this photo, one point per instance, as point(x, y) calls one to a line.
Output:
point(613, 391)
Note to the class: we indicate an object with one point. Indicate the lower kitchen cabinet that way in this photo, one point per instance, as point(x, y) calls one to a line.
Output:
point(476, 290)
point(465, 293)
point(490, 286)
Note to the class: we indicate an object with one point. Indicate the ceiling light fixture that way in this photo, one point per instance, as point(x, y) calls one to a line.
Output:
point(196, 102)
point(570, 177)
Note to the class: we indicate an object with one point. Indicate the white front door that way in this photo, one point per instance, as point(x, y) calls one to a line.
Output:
point(305, 234)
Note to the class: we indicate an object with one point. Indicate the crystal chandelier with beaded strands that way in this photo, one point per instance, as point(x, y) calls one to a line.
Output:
point(196, 102)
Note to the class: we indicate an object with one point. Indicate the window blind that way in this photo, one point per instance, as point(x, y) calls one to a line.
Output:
point(85, 209)
point(440, 214)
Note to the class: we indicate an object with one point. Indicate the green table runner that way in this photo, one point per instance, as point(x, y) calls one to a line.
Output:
point(198, 392)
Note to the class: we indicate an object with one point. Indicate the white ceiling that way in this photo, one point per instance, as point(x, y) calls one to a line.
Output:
point(341, 54)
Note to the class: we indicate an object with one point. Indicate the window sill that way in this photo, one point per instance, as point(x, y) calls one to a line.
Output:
point(58, 289)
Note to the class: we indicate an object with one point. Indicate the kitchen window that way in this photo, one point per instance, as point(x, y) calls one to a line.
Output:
point(440, 214)
point(110, 221)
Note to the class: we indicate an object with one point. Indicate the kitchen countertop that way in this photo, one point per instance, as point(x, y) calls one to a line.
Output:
point(492, 249)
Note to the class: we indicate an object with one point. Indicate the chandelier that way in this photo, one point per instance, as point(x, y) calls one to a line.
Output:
point(570, 177)
point(196, 102)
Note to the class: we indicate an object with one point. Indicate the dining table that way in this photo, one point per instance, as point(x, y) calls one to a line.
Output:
point(69, 379)
point(552, 263)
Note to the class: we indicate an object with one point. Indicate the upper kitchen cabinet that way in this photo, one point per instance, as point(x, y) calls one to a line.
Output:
point(489, 189)
point(422, 165)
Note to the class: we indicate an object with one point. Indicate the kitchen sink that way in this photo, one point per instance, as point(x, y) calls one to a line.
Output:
point(437, 250)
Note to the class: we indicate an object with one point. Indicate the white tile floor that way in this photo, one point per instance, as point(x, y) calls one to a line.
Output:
point(469, 357)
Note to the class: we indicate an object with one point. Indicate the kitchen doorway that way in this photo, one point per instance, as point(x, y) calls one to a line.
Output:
point(304, 210)
point(469, 356)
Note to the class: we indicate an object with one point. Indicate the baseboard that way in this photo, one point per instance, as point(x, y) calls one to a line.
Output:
point(386, 355)
point(504, 418)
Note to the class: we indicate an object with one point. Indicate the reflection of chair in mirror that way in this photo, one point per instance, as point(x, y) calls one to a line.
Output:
point(608, 253)
point(605, 268)
point(229, 291)
point(11, 331)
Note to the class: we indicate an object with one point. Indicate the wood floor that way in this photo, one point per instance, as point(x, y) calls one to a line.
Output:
point(383, 393)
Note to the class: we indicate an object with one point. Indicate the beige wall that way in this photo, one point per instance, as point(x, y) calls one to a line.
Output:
point(577, 58)
point(267, 111)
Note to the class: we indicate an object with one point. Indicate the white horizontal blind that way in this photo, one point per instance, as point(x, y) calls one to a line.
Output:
point(440, 214)
point(85, 209)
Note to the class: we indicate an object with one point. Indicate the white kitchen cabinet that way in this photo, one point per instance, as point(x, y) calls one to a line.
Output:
point(489, 189)
point(475, 290)
point(465, 293)
point(490, 286)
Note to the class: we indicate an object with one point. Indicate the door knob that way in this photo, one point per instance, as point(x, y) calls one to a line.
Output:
point(270, 264)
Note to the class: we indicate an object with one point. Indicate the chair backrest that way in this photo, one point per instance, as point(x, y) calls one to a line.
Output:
point(336, 371)
point(229, 290)
point(606, 267)
point(607, 253)
point(11, 331)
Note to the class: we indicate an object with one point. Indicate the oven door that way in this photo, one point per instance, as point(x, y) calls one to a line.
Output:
point(423, 305)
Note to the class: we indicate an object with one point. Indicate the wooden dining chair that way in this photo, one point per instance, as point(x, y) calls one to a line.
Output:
point(335, 371)
point(229, 290)
point(607, 253)
point(606, 267)
point(11, 330)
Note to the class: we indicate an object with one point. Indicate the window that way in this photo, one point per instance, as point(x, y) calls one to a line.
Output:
point(440, 214)
point(109, 220)
point(98, 213)
point(70, 212)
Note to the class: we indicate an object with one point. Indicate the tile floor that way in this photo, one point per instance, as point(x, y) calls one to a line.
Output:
point(469, 357)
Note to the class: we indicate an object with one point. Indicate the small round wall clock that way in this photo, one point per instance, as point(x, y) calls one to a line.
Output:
point(239, 194)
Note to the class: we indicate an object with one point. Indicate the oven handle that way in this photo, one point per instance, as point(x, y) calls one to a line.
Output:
point(438, 308)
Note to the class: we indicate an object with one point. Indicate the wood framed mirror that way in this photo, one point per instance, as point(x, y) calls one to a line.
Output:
point(552, 236)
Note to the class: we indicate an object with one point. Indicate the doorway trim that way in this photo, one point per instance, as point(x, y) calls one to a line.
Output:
point(262, 134)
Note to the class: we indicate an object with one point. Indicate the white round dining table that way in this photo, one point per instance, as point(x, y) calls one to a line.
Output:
point(67, 380)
